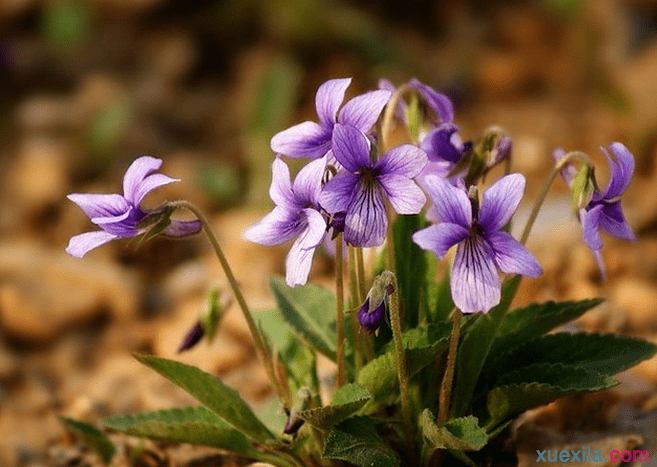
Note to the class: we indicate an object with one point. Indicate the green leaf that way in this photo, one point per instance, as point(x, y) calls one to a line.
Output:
point(424, 345)
point(411, 263)
point(443, 299)
point(310, 310)
point(463, 434)
point(346, 400)
point(539, 384)
point(474, 348)
point(356, 441)
point(537, 319)
point(92, 437)
point(606, 354)
point(193, 425)
point(221, 399)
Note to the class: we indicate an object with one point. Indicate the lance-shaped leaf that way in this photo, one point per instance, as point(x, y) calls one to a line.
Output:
point(463, 434)
point(538, 384)
point(346, 400)
point(356, 441)
point(215, 395)
point(93, 437)
point(535, 320)
point(193, 425)
point(606, 354)
point(310, 312)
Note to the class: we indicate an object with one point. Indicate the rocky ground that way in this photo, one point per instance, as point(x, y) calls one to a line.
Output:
point(204, 87)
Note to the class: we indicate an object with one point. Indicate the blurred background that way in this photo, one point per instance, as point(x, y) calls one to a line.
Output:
point(88, 86)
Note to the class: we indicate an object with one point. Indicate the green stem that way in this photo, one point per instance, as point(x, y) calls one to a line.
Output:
point(261, 347)
point(339, 310)
point(360, 271)
point(389, 114)
point(448, 379)
point(541, 197)
point(354, 303)
point(402, 368)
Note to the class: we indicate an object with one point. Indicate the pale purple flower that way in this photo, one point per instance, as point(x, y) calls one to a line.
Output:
point(370, 319)
point(297, 214)
point(313, 140)
point(361, 189)
point(120, 216)
point(439, 105)
point(482, 245)
point(604, 211)
point(568, 171)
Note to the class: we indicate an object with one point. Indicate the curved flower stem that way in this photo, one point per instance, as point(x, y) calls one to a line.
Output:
point(541, 197)
point(402, 369)
point(360, 271)
point(448, 378)
point(339, 311)
point(261, 347)
point(389, 114)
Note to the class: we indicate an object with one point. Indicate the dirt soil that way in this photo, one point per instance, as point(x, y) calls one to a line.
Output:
point(89, 86)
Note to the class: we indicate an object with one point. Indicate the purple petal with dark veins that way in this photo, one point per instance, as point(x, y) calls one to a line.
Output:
point(96, 206)
point(407, 160)
point(403, 193)
point(351, 148)
point(500, 201)
point(440, 237)
point(366, 221)
point(363, 111)
point(328, 99)
point(305, 140)
point(450, 203)
point(337, 194)
point(474, 282)
point(275, 228)
point(512, 257)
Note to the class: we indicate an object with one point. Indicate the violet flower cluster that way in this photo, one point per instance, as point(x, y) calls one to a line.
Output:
point(347, 185)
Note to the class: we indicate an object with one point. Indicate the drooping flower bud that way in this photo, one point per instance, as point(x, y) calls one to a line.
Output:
point(207, 324)
point(373, 310)
point(301, 402)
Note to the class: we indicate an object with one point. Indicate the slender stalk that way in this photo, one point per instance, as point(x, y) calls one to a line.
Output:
point(261, 347)
point(402, 369)
point(390, 243)
point(339, 310)
point(389, 114)
point(541, 197)
point(362, 283)
point(354, 303)
point(448, 379)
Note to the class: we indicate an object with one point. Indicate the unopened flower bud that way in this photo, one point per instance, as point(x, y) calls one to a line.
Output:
point(373, 311)
point(302, 400)
point(193, 337)
point(500, 151)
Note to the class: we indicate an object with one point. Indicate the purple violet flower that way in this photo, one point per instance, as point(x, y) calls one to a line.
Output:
point(439, 104)
point(296, 214)
point(482, 245)
point(313, 140)
point(604, 211)
point(120, 216)
point(360, 189)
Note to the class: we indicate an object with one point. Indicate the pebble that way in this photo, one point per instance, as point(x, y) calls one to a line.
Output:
point(45, 291)
point(637, 298)
point(39, 177)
